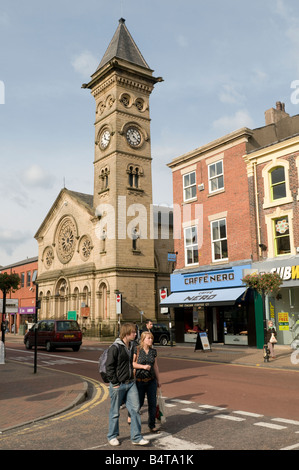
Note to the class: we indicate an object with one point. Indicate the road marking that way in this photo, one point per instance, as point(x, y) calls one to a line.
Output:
point(183, 402)
point(169, 405)
point(168, 442)
point(214, 408)
point(286, 421)
point(295, 446)
point(246, 413)
point(192, 410)
point(39, 353)
point(230, 418)
point(270, 426)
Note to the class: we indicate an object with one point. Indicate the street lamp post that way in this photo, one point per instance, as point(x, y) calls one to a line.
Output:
point(35, 321)
point(266, 349)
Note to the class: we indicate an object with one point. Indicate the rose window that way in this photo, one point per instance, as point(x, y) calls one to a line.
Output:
point(66, 241)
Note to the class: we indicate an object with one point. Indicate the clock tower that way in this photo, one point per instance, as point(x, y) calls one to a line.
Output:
point(121, 87)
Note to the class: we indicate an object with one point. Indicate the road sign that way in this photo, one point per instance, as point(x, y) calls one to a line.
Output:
point(118, 304)
point(163, 295)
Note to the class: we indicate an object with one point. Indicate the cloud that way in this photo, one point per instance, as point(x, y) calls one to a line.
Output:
point(35, 176)
point(228, 124)
point(85, 63)
point(11, 239)
point(230, 95)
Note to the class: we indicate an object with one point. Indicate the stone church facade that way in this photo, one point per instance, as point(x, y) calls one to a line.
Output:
point(95, 248)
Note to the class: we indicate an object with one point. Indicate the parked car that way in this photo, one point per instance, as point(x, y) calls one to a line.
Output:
point(161, 333)
point(55, 334)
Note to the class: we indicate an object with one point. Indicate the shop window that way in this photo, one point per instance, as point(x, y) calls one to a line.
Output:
point(282, 236)
point(216, 177)
point(277, 183)
point(191, 245)
point(189, 186)
point(219, 240)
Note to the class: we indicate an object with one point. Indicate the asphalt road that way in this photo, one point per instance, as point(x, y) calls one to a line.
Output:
point(210, 406)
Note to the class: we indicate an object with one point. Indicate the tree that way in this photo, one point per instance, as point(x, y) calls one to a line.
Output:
point(8, 282)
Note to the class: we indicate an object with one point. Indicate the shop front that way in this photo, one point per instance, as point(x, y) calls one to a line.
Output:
point(213, 301)
point(21, 320)
point(283, 309)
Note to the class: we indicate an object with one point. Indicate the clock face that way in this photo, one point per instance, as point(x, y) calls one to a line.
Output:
point(105, 139)
point(133, 136)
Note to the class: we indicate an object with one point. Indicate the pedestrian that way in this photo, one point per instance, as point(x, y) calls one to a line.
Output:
point(122, 387)
point(149, 325)
point(271, 338)
point(147, 375)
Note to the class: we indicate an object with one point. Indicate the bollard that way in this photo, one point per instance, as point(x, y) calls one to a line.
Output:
point(2, 353)
point(266, 353)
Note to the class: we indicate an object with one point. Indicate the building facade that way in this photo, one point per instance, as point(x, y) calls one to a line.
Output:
point(20, 305)
point(222, 224)
point(101, 255)
point(273, 176)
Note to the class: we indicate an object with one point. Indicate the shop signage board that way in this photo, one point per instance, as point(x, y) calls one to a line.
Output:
point(202, 342)
point(200, 280)
point(11, 305)
point(27, 310)
point(288, 272)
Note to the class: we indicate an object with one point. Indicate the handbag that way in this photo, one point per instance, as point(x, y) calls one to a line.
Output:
point(160, 408)
point(273, 339)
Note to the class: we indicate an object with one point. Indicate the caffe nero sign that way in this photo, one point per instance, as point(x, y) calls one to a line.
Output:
point(230, 277)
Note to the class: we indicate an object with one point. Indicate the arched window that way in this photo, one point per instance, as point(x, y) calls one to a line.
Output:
point(103, 302)
point(277, 183)
point(131, 176)
point(134, 175)
point(104, 176)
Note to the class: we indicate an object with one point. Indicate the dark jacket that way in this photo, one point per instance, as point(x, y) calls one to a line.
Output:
point(119, 366)
point(269, 334)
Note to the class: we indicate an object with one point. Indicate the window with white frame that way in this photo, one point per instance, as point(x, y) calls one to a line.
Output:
point(191, 245)
point(219, 240)
point(216, 178)
point(189, 186)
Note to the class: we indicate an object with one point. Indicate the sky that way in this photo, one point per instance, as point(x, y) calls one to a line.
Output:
point(224, 63)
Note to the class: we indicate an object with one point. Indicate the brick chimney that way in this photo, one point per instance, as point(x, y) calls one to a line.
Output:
point(272, 116)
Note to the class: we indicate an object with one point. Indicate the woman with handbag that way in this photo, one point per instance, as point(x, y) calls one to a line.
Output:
point(271, 338)
point(147, 375)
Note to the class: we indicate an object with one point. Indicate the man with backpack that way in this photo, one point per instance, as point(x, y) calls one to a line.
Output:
point(122, 388)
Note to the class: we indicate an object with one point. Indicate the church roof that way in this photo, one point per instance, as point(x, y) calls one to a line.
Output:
point(82, 197)
point(122, 46)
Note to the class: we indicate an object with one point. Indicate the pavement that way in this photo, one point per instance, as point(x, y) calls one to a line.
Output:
point(27, 397)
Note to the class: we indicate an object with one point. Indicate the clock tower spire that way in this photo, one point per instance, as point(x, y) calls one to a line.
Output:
point(121, 86)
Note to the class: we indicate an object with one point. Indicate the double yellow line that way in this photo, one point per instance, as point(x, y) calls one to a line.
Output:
point(101, 395)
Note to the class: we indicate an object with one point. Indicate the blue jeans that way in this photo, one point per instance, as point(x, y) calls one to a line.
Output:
point(128, 394)
point(150, 389)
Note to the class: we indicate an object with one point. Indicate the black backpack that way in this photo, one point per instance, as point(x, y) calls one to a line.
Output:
point(103, 361)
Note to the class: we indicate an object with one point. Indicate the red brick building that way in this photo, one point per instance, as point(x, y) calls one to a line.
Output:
point(20, 305)
point(222, 225)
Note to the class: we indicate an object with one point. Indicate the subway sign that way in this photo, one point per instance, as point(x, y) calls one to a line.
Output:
point(287, 273)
